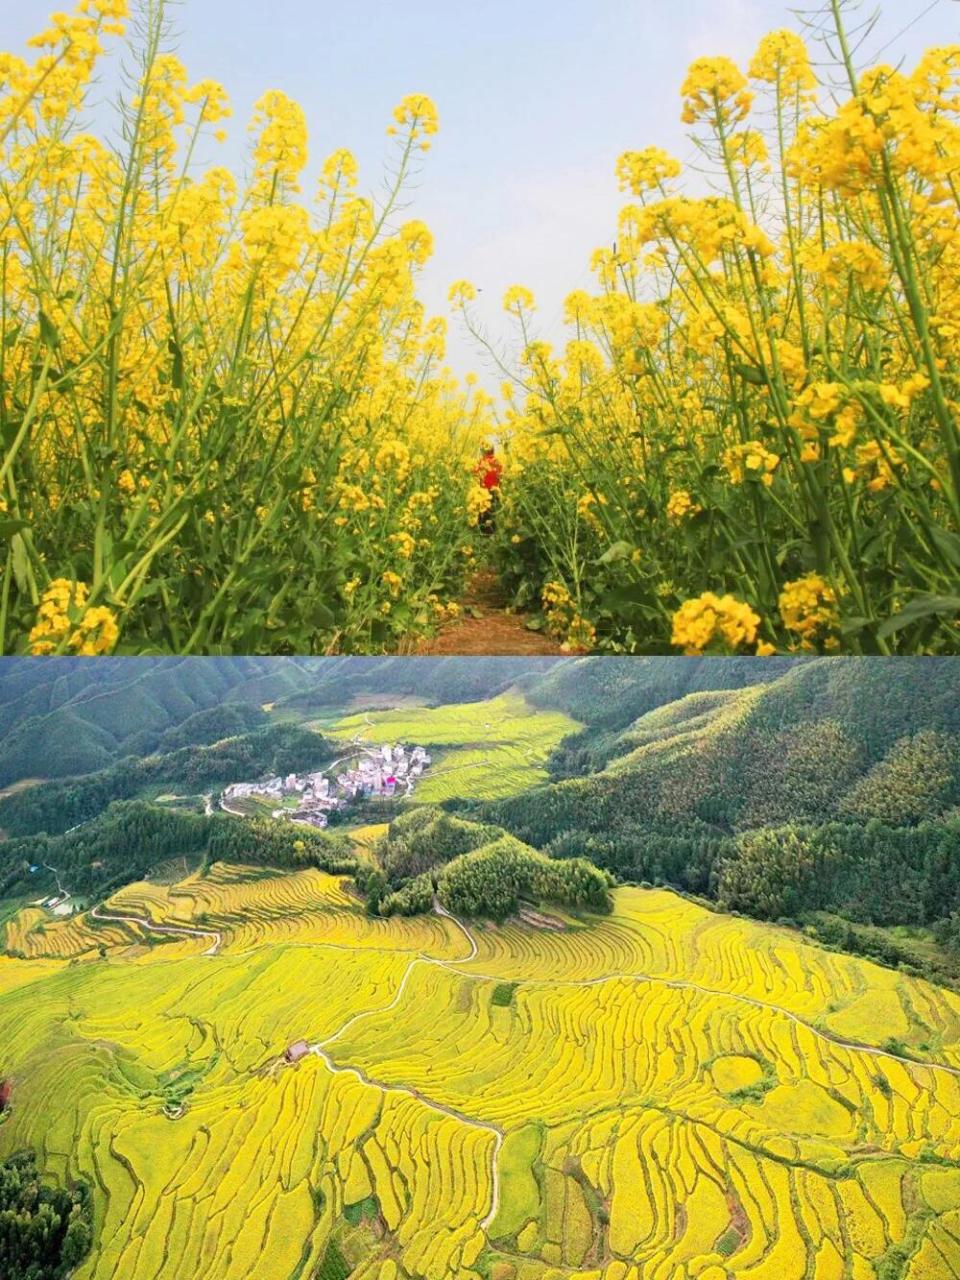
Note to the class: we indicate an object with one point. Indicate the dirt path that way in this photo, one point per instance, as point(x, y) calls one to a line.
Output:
point(154, 926)
point(485, 626)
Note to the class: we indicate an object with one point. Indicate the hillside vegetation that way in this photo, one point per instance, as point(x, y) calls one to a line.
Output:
point(833, 787)
point(472, 870)
point(55, 807)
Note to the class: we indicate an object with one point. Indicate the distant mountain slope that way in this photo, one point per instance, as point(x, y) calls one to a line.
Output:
point(825, 739)
point(60, 717)
point(613, 692)
point(65, 716)
point(854, 764)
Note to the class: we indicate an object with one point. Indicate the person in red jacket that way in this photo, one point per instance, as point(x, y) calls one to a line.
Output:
point(489, 471)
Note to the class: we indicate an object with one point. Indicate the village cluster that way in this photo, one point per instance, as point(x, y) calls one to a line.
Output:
point(380, 772)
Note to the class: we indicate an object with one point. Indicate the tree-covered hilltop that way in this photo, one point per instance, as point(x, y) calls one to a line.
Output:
point(495, 879)
point(128, 840)
point(45, 1231)
point(427, 837)
point(472, 869)
point(55, 807)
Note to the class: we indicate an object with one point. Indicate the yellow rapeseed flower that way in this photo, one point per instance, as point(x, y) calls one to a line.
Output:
point(710, 620)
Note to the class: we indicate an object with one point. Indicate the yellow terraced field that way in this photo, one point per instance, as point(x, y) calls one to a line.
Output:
point(482, 750)
point(662, 1094)
point(33, 932)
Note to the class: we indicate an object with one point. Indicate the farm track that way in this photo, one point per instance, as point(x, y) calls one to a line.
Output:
point(164, 929)
point(677, 984)
point(486, 628)
point(320, 1050)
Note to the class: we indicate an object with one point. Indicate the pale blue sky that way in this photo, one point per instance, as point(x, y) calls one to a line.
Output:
point(537, 99)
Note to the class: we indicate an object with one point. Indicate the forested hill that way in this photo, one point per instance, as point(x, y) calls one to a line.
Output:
point(613, 692)
point(833, 787)
point(67, 716)
point(60, 717)
point(876, 700)
point(844, 739)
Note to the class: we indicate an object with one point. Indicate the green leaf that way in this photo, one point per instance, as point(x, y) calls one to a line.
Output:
point(613, 555)
point(10, 527)
point(851, 626)
point(633, 593)
point(20, 563)
point(917, 610)
point(949, 545)
point(49, 333)
point(177, 376)
point(318, 615)
point(10, 431)
point(749, 373)
point(10, 337)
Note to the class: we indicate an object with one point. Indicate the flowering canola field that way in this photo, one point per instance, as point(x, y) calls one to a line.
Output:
point(664, 1092)
point(226, 421)
point(749, 439)
point(227, 425)
point(481, 750)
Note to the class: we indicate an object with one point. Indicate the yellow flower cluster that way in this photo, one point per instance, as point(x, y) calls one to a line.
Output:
point(750, 461)
point(642, 171)
point(808, 607)
point(716, 91)
point(479, 501)
point(518, 299)
point(782, 59)
point(856, 260)
point(713, 620)
point(65, 623)
point(418, 115)
point(565, 621)
point(681, 506)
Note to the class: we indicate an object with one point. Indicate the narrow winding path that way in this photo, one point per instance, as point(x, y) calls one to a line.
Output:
point(321, 1047)
point(485, 627)
point(164, 929)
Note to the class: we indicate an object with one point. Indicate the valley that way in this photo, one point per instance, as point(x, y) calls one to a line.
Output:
point(584, 1003)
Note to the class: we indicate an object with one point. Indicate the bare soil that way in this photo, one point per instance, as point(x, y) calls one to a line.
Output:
point(486, 627)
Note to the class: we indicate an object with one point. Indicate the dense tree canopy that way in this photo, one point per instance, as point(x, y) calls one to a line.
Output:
point(45, 1231)
point(131, 837)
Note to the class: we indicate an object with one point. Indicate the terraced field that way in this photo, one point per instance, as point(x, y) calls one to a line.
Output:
point(485, 749)
point(32, 933)
point(662, 1094)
